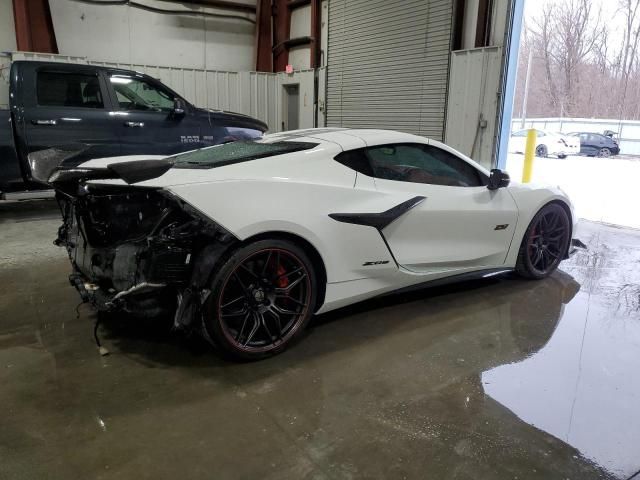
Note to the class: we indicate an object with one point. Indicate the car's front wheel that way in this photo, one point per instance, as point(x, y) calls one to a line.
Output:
point(261, 299)
point(541, 151)
point(545, 242)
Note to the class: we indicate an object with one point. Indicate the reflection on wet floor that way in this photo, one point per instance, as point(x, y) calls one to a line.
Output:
point(582, 386)
point(500, 378)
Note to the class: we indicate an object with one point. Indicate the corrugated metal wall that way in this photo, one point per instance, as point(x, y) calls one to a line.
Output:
point(257, 94)
point(388, 64)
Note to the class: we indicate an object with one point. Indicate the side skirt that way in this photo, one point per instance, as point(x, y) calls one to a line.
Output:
point(463, 277)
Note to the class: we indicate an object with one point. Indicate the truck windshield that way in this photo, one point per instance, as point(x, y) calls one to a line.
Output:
point(236, 152)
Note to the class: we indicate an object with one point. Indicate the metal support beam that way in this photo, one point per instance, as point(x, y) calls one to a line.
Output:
point(264, 35)
point(281, 31)
point(226, 4)
point(458, 24)
point(297, 3)
point(293, 42)
point(34, 28)
point(315, 34)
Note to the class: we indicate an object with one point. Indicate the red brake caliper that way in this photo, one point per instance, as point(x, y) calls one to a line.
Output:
point(283, 280)
point(533, 234)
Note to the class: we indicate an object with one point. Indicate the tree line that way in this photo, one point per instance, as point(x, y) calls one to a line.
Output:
point(584, 63)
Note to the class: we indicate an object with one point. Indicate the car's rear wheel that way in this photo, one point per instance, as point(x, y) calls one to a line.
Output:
point(541, 151)
point(261, 299)
point(545, 242)
point(562, 156)
point(604, 152)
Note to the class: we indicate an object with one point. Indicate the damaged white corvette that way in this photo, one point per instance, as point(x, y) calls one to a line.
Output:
point(246, 241)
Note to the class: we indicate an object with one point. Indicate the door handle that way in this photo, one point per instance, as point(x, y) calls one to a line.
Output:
point(134, 124)
point(44, 122)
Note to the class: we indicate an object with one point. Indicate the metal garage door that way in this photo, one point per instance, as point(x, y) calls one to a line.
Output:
point(388, 64)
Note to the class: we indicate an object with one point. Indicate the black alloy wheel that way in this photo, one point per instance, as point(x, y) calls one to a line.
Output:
point(262, 298)
point(541, 151)
point(545, 242)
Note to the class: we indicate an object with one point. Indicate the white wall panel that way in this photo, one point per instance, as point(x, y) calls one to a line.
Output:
point(300, 57)
point(7, 28)
point(121, 33)
point(229, 44)
point(473, 101)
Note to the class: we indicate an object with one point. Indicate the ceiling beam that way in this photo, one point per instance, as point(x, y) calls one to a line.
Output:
point(225, 4)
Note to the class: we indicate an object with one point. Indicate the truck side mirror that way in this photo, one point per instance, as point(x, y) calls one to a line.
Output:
point(498, 179)
point(179, 107)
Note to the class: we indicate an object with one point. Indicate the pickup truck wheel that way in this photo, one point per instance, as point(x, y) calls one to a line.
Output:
point(545, 243)
point(261, 300)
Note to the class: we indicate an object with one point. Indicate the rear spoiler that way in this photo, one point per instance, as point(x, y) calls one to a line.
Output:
point(47, 167)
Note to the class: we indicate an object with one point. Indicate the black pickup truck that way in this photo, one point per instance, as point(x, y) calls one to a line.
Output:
point(100, 112)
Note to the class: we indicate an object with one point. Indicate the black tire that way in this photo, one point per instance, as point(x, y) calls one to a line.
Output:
point(541, 151)
point(604, 152)
point(262, 298)
point(542, 251)
point(562, 156)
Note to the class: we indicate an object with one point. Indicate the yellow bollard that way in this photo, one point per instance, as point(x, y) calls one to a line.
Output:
point(529, 155)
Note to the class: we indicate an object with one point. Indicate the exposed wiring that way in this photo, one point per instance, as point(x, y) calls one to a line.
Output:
point(103, 350)
point(164, 11)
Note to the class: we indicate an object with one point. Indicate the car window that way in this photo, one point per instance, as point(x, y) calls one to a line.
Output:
point(137, 94)
point(62, 89)
point(421, 164)
point(356, 160)
point(236, 152)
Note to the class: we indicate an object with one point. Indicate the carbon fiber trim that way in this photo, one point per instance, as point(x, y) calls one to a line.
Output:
point(378, 220)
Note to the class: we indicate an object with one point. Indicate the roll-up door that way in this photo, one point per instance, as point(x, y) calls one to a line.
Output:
point(388, 63)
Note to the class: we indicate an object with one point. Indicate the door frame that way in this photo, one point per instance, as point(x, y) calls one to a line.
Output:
point(285, 104)
point(508, 87)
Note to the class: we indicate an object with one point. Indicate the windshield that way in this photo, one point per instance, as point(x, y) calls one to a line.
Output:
point(236, 152)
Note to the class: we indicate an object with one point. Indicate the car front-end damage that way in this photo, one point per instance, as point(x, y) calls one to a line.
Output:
point(139, 250)
point(133, 248)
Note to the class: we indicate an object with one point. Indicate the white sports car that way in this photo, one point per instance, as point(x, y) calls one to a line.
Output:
point(246, 241)
point(547, 143)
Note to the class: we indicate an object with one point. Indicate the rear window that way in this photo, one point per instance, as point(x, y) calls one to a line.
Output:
point(60, 89)
point(236, 152)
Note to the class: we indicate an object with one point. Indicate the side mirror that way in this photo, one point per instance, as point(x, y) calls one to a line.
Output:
point(498, 179)
point(179, 107)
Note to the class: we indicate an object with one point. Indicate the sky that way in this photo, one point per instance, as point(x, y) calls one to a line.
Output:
point(609, 9)
point(608, 6)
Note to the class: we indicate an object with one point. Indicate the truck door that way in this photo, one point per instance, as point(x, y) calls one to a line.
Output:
point(67, 105)
point(147, 120)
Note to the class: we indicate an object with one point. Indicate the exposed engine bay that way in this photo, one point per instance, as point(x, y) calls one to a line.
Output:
point(135, 249)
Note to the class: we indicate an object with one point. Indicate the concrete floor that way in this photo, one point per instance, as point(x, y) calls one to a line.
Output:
point(500, 378)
